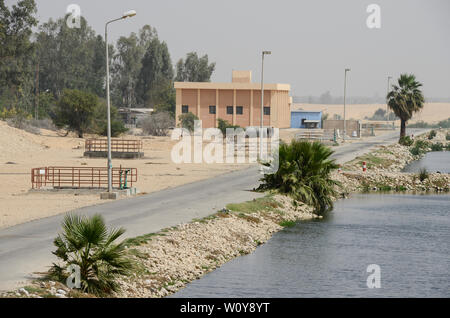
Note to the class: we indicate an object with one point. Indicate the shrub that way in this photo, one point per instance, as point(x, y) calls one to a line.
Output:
point(75, 111)
point(437, 147)
point(420, 147)
point(223, 124)
point(88, 243)
point(100, 121)
point(447, 136)
point(187, 121)
point(157, 124)
point(423, 174)
point(444, 123)
point(432, 134)
point(406, 141)
point(304, 173)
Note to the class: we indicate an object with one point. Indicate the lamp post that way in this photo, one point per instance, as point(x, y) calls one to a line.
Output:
point(127, 14)
point(345, 89)
point(262, 103)
point(387, 106)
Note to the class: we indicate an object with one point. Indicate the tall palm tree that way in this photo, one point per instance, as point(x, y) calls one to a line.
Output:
point(405, 99)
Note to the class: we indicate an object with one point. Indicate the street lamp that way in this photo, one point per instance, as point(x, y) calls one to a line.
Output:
point(345, 89)
point(127, 14)
point(262, 103)
point(387, 106)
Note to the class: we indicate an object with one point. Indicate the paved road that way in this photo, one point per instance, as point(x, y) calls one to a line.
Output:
point(26, 248)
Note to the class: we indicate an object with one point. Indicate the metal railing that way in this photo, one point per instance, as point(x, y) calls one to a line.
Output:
point(81, 177)
point(117, 145)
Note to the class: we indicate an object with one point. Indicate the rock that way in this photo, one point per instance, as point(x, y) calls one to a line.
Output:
point(24, 291)
point(61, 291)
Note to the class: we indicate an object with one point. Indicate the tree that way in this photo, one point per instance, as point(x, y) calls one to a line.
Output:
point(17, 53)
point(75, 111)
point(157, 124)
point(71, 58)
point(194, 69)
point(156, 72)
point(87, 243)
point(304, 173)
point(187, 121)
point(100, 122)
point(405, 99)
point(127, 63)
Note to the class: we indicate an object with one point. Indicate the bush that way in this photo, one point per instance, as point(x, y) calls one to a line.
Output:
point(75, 111)
point(88, 243)
point(223, 124)
point(304, 173)
point(437, 147)
point(420, 147)
point(423, 174)
point(447, 137)
point(187, 121)
point(406, 141)
point(444, 123)
point(432, 134)
point(157, 124)
point(100, 123)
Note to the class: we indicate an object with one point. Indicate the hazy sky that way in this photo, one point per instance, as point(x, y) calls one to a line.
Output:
point(311, 41)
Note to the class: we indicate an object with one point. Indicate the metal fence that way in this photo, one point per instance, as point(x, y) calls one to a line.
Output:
point(117, 145)
point(81, 177)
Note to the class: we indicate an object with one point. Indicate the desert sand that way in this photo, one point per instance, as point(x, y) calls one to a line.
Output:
point(21, 151)
point(431, 113)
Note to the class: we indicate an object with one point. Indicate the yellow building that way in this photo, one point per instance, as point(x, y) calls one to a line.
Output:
point(238, 102)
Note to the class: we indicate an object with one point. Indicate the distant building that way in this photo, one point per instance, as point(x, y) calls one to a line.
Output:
point(306, 119)
point(238, 102)
point(131, 116)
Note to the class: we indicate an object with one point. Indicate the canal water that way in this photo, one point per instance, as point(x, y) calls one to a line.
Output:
point(432, 161)
point(407, 236)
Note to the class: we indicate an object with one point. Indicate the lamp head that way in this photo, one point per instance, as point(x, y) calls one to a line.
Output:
point(347, 69)
point(266, 52)
point(129, 14)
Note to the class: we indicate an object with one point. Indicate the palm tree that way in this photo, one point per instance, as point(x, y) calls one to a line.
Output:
point(304, 173)
point(405, 99)
point(87, 243)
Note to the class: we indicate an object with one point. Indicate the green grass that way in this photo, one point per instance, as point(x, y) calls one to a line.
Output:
point(287, 223)
point(139, 240)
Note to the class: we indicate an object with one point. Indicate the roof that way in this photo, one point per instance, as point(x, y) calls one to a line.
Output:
point(306, 111)
point(242, 86)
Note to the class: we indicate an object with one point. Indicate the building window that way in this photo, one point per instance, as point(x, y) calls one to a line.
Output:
point(212, 109)
point(185, 109)
point(239, 110)
point(267, 110)
point(229, 110)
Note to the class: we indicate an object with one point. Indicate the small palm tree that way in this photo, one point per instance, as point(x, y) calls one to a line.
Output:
point(304, 173)
point(405, 99)
point(88, 243)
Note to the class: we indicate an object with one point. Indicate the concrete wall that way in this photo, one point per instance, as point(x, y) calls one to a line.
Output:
point(352, 125)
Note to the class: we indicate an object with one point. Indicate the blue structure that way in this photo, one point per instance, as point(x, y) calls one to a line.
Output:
point(306, 119)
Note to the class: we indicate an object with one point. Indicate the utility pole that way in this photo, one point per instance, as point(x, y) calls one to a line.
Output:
point(345, 90)
point(262, 104)
point(387, 106)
